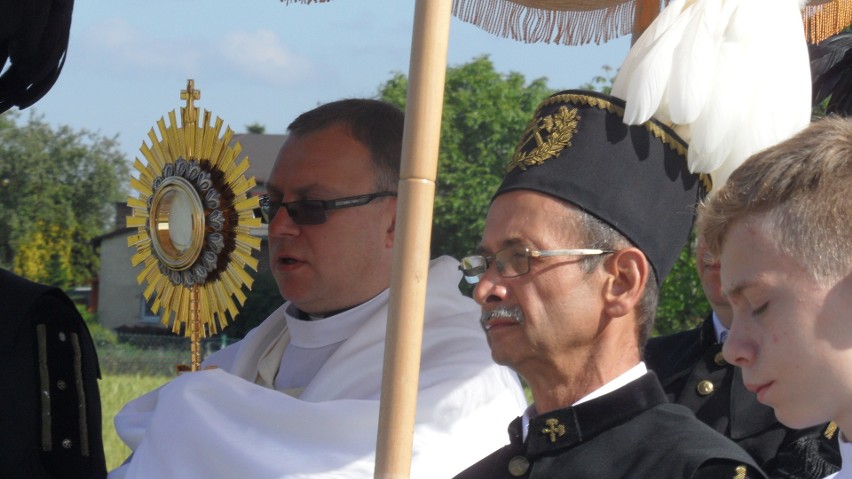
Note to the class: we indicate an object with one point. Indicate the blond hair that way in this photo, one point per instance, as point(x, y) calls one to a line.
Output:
point(801, 192)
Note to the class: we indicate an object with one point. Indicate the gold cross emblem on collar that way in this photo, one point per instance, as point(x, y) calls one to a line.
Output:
point(553, 429)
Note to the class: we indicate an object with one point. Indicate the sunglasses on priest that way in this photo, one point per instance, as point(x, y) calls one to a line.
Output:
point(314, 212)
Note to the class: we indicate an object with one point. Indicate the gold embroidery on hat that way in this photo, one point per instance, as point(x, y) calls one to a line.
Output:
point(587, 100)
point(553, 429)
point(655, 129)
point(663, 135)
point(558, 128)
point(707, 180)
point(741, 472)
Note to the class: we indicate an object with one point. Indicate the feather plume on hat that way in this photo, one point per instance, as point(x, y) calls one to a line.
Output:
point(732, 77)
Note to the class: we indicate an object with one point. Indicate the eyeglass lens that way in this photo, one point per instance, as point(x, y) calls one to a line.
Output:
point(510, 262)
point(306, 212)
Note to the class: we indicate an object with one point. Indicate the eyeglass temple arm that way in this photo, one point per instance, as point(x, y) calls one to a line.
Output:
point(569, 252)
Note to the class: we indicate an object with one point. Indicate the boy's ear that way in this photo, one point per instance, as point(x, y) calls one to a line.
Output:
point(627, 271)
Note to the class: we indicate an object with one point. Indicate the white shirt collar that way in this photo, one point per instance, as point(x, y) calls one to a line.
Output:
point(719, 328)
point(333, 329)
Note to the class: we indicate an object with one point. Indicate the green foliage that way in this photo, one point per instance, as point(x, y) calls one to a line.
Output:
point(100, 335)
point(485, 113)
point(256, 128)
point(57, 188)
point(263, 299)
point(603, 82)
point(45, 253)
point(682, 303)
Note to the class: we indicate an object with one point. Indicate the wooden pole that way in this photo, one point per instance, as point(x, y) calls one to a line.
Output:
point(421, 139)
point(646, 12)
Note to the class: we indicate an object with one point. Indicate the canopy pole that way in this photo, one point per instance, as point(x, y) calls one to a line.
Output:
point(421, 139)
point(645, 13)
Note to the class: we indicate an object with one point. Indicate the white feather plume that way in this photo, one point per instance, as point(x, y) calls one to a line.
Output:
point(731, 76)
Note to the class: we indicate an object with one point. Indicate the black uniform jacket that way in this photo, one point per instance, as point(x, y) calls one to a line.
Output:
point(50, 410)
point(632, 432)
point(694, 374)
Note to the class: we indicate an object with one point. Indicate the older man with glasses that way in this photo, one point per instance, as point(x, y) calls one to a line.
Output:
point(299, 396)
point(585, 226)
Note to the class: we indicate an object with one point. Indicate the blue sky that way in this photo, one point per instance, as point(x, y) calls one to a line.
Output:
point(261, 61)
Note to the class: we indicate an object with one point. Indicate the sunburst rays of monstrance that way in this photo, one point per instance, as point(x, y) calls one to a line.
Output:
point(193, 217)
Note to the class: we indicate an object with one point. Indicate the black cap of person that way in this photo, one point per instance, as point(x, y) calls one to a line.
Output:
point(634, 178)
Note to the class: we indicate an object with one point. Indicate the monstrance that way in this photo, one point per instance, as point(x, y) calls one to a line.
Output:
point(193, 217)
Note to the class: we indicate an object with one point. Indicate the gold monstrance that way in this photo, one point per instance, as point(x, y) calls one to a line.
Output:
point(193, 217)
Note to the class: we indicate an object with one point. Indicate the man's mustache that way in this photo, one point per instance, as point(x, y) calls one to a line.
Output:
point(514, 313)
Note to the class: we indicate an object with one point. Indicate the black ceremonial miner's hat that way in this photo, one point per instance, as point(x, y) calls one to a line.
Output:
point(634, 178)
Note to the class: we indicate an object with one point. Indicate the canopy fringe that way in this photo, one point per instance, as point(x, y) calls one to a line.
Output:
point(533, 25)
point(823, 20)
point(306, 2)
point(578, 22)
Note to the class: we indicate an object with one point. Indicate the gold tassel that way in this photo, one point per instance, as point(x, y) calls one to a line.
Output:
point(823, 20)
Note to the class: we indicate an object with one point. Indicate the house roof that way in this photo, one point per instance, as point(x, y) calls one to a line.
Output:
point(261, 151)
point(118, 231)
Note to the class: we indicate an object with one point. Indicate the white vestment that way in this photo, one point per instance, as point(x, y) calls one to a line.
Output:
point(228, 423)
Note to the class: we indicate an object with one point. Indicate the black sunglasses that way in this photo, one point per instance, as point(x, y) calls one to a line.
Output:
point(313, 212)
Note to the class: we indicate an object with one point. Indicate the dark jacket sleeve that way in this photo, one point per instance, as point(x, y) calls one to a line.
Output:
point(51, 421)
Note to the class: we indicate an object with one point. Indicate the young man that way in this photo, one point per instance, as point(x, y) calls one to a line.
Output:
point(299, 396)
point(585, 225)
point(781, 227)
point(694, 373)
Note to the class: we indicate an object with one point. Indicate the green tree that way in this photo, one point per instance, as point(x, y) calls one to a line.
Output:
point(602, 82)
point(262, 300)
point(256, 128)
point(682, 303)
point(485, 113)
point(57, 189)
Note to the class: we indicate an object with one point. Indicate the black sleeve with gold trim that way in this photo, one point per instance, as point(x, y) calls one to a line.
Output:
point(50, 426)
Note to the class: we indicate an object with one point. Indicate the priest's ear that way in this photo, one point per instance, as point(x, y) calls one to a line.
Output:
point(627, 272)
point(390, 221)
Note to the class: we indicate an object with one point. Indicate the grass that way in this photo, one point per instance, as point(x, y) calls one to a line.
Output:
point(132, 365)
point(116, 390)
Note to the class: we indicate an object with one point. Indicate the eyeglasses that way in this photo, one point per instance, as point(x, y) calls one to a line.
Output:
point(313, 212)
point(515, 261)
